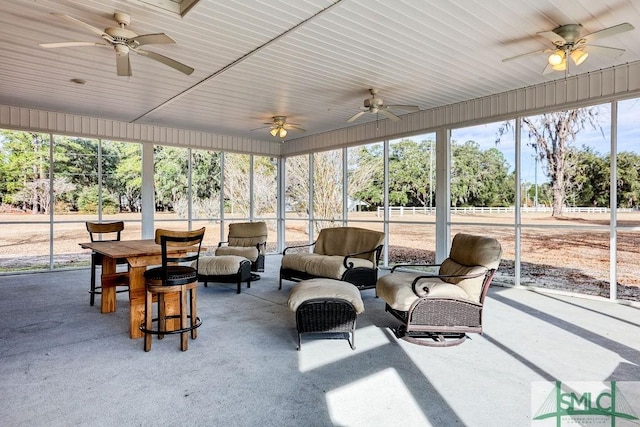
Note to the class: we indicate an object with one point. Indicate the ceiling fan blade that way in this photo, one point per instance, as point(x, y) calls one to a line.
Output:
point(355, 116)
point(288, 126)
point(554, 37)
point(603, 50)
point(98, 31)
point(159, 38)
point(389, 114)
point(403, 107)
point(123, 65)
point(166, 61)
point(607, 32)
point(537, 52)
point(263, 127)
point(71, 44)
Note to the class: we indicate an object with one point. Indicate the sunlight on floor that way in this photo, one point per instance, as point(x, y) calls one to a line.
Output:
point(317, 352)
point(361, 403)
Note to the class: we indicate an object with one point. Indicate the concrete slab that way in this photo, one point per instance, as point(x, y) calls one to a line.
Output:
point(64, 363)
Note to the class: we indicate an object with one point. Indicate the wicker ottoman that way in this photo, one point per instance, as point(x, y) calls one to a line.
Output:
point(224, 269)
point(326, 306)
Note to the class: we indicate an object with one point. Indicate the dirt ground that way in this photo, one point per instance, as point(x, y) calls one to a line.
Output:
point(553, 255)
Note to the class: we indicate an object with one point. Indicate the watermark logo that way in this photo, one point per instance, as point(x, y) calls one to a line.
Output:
point(614, 404)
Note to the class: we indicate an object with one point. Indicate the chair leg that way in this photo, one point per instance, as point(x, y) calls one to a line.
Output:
point(184, 343)
point(148, 319)
point(194, 312)
point(162, 316)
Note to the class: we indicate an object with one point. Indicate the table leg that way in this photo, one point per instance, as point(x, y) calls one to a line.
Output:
point(108, 297)
point(136, 300)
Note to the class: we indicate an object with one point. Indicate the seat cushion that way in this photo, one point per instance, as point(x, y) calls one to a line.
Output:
point(250, 253)
point(299, 261)
point(176, 275)
point(333, 266)
point(325, 288)
point(219, 265)
point(395, 289)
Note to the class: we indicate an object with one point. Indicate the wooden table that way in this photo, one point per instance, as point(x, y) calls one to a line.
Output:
point(139, 254)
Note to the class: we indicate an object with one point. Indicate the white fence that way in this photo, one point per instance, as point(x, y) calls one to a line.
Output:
point(424, 210)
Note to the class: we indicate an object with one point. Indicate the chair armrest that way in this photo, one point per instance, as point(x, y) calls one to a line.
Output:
point(297, 247)
point(377, 250)
point(222, 243)
point(441, 276)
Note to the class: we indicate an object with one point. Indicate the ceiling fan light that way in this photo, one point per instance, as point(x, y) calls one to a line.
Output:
point(560, 67)
point(556, 58)
point(282, 133)
point(579, 56)
point(121, 50)
point(274, 131)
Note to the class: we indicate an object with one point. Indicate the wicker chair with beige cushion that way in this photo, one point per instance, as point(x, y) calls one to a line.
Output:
point(439, 309)
point(349, 254)
point(248, 240)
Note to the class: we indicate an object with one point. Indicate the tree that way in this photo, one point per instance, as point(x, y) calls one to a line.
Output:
point(236, 183)
point(551, 135)
point(327, 187)
point(265, 201)
point(587, 178)
point(25, 160)
point(628, 179)
point(480, 178)
point(410, 175)
point(127, 176)
point(205, 181)
point(365, 174)
point(171, 175)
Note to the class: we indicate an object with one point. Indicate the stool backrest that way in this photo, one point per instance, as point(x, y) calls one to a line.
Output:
point(102, 228)
point(191, 240)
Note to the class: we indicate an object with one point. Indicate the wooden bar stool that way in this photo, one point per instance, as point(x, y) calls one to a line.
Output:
point(108, 231)
point(173, 278)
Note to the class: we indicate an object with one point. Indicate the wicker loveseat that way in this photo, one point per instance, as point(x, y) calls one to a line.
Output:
point(440, 308)
point(349, 254)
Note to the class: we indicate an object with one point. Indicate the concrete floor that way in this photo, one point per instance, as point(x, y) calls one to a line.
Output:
point(64, 363)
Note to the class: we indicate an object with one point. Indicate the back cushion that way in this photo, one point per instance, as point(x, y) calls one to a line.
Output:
point(467, 249)
point(347, 240)
point(247, 233)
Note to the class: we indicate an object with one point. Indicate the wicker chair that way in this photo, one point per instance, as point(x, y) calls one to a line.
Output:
point(440, 309)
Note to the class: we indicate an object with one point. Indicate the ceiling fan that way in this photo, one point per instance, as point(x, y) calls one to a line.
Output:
point(568, 43)
point(279, 128)
point(376, 105)
point(123, 41)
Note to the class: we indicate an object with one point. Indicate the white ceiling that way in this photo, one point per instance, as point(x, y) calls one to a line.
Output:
point(255, 59)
